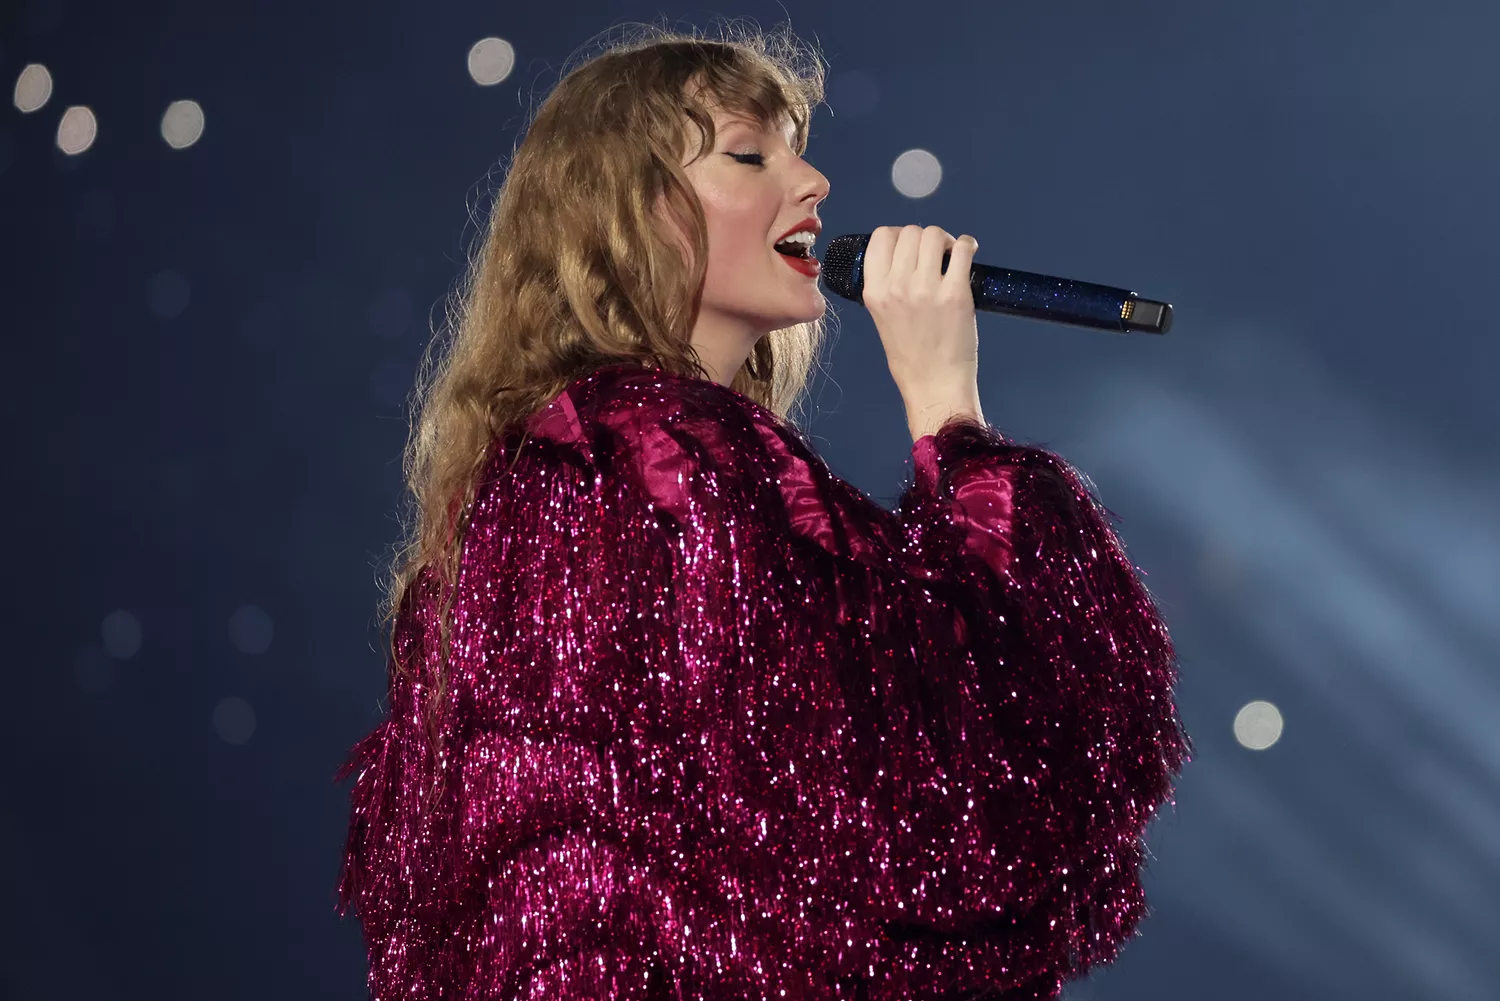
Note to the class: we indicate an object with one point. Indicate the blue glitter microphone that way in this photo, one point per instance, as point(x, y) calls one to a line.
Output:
point(1000, 290)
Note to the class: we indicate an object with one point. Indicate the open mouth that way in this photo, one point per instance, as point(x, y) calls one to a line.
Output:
point(799, 245)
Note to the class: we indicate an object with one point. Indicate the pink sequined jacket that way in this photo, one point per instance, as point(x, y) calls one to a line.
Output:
point(720, 728)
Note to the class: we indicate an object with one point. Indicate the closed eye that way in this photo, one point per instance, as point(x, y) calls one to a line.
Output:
point(752, 158)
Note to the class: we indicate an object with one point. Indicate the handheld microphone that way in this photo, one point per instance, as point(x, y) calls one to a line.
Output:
point(1000, 290)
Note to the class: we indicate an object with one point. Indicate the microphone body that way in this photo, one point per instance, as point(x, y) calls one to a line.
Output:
point(1022, 293)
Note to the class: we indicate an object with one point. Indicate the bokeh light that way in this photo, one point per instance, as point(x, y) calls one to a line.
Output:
point(169, 294)
point(182, 124)
point(1257, 725)
point(234, 720)
point(916, 173)
point(491, 60)
point(251, 629)
point(121, 632)
point(33, 88)
point(77, 130)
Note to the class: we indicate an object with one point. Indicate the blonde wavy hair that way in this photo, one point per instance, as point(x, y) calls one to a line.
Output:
point(574, 272)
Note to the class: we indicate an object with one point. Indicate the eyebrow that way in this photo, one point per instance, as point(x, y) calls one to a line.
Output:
point(789, 135)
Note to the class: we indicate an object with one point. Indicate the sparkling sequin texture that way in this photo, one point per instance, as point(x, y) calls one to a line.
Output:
point(721, 727)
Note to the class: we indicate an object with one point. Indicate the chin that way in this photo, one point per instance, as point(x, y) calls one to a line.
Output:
point(795, 320)
point(805, 312)
point(812, 312)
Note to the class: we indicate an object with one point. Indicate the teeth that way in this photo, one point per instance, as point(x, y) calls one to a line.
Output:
point(806, 238)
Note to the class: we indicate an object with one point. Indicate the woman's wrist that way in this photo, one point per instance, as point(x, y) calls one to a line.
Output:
point(926, 413)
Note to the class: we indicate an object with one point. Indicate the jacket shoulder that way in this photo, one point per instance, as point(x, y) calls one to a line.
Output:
point(633, 402)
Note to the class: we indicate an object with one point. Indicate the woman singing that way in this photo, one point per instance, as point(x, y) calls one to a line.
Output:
point(674, 711)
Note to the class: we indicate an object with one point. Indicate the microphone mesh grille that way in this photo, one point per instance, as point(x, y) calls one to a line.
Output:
point(843, 266)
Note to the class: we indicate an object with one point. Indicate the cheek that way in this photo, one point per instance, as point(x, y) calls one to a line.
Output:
point(737, 229)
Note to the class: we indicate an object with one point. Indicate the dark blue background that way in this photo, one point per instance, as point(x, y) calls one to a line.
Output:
point(1305, 466)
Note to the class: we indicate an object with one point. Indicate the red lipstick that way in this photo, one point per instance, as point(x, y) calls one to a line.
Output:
point(809, 266)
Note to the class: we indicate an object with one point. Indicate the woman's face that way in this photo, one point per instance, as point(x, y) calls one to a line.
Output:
point(754, 188)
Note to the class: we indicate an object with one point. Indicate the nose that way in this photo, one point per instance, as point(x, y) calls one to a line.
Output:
point(811, 187)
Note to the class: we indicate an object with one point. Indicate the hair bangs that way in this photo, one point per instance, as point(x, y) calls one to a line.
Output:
point(748, 85)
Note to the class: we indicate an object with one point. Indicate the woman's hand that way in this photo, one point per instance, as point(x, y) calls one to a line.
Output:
point(925, 319)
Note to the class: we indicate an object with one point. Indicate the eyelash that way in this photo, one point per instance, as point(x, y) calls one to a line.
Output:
point(756, 159)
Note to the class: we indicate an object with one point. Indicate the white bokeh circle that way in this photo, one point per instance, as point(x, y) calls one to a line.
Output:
point(916, 173)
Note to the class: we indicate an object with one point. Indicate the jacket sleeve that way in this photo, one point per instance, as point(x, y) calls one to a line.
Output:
point(1080, 740)
point(978, 687)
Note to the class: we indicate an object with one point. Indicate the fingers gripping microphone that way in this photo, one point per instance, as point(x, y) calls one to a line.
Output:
point(1000, 290)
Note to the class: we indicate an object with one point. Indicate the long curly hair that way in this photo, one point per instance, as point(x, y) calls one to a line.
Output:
point(574, 271)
